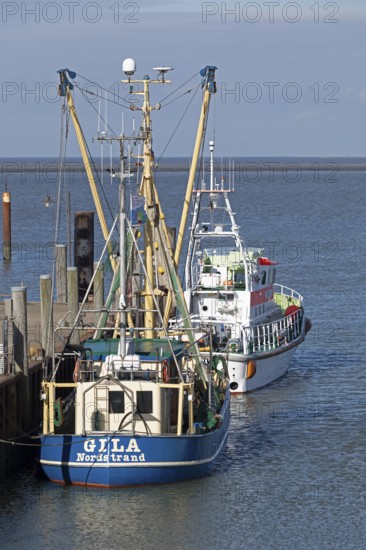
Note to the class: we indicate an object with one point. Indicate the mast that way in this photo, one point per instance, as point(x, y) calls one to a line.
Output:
point(159, 261)
point(122, 255)
point(147, 187)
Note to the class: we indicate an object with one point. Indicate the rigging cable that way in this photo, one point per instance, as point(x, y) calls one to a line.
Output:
point(96, 172)
point(100, 116)
point(181, 95)
point(179, 87)
point(49, 337)
point(177, 126)
point(90, 156)
point(104, 89)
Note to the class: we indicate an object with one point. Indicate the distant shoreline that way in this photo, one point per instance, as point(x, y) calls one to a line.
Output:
point(21, 166)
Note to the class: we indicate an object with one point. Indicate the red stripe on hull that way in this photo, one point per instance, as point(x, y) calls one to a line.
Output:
point(262, 296)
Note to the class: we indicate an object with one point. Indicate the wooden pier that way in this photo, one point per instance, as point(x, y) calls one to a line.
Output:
point(25, 333)
point(20, 404)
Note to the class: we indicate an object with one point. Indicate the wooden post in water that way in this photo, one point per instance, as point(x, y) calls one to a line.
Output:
point(8, 314)
point(73, 299)
point(6, 226)
point(20, 344)
point(46, 314)
point(61, 273)
point(8, 308)
point(98, 287)
point(20, 328)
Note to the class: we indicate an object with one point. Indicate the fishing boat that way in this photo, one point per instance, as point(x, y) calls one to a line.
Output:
point(133, 405)
point(231, 288)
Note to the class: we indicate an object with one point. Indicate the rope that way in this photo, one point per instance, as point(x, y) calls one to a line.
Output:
point(63, 444)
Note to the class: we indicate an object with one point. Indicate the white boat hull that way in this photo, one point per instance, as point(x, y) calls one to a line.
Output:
point(270, 368)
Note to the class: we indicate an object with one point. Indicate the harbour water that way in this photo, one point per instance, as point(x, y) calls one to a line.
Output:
point(293, 472)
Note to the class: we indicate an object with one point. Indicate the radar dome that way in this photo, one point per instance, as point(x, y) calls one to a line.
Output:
point(129, 66)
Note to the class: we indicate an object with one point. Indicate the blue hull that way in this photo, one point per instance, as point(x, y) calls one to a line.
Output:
point(113, 460)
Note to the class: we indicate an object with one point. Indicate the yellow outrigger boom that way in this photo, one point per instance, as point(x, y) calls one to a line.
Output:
point(209, 85)
point(65, 88)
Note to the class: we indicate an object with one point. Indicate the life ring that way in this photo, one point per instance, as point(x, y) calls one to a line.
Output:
point(165, 371)
point(75, 375)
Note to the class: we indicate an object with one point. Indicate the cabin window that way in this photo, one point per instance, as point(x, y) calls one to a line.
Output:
point(273, 275)
point(144, 402)
point(264, 276)
point(116, 402)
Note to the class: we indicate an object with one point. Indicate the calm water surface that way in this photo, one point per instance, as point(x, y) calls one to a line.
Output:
point(293, 473)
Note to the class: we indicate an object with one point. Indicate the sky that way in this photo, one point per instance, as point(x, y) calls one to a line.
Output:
point(291, 75)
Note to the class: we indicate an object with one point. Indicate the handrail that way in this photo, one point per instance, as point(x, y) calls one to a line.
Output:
point(269, 336)
point(287, 291)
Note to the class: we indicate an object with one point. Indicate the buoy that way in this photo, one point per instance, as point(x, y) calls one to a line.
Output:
point(251, 369)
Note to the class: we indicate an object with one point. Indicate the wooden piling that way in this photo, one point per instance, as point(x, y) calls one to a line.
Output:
point(8, 311)
point(7, 335)
point(73, 299)
point(6, 226)
point(20, 329)
point(20, 349)
point(61, 273)
point(46, 314)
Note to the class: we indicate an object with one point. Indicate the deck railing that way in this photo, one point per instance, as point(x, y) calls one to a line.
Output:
point(285, 296)
point(269, 336)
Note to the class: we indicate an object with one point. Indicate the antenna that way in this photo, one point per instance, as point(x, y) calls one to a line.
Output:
point(106, 113)
point(212, 146)
point(162, 71)
point(99, 116)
